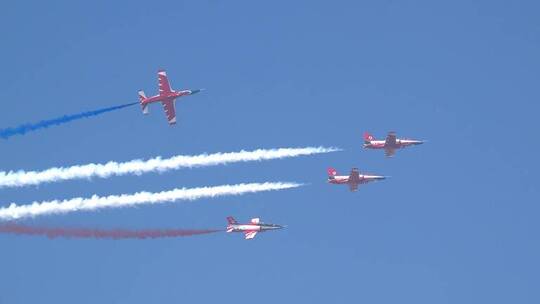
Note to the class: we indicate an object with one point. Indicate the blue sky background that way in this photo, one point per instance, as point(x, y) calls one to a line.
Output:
point(456, 223)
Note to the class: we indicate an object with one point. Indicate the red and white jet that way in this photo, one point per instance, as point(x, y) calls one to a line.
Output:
point(251, 229)
point(166, 96)
point(390, 144)
point(353, 179)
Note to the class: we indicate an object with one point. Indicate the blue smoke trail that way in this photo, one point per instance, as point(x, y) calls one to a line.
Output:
point(23, 129)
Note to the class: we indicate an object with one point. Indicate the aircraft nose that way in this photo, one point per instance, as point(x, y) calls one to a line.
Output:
point(196, 91)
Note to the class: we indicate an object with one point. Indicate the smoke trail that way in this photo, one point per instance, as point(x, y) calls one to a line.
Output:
point(102, 234)
point(23, 129)
point(137, 167)
point(95, 202)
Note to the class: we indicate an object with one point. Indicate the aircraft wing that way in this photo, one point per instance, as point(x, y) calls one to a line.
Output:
point(163, 83)
point(170, 111)
point(354, 176)
point(250, 234)
point(389, 152)
point(354, 179)
point(391, 139)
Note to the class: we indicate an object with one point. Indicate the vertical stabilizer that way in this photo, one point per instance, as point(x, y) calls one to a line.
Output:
point(332, 173)
point(368, 137)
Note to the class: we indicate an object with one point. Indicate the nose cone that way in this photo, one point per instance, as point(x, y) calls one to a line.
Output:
point(275, 227)
point(196, 91)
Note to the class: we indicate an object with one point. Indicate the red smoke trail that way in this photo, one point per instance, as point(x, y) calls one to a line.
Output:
point(102, 234)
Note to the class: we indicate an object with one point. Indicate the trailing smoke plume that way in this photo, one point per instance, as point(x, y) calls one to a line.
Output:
point(137, 167)
point(95, 202)
point(25, 128)
point(101, 233)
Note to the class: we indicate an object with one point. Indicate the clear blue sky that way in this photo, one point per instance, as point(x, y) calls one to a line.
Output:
point(456, 223)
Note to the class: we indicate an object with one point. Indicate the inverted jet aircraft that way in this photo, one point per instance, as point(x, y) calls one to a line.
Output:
point(390, 144)
point(251, 229)
point(353, 179)
point(166, 96)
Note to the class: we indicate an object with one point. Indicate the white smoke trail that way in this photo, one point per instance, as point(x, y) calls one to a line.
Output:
point(95, 202)
point(137, 167)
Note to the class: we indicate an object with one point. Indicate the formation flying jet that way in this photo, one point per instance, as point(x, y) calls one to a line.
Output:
point(390, 144)
point(166, 96)
point(353, 179)
point(251, 229)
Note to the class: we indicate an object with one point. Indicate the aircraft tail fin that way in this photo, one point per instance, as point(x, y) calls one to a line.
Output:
point(331, 173)
point(368, 137)
point(142, 98)
point(231, 220)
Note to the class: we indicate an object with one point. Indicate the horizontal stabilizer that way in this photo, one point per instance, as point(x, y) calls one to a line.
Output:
point(142, 98)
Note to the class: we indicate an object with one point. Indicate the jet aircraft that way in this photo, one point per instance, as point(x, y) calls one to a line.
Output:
point(390, 144)
point(251, 229)
point(166, 96)
point(354, 179)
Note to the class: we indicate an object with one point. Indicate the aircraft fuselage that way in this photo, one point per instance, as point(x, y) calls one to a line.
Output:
point(400, 143)
point(168, 96)
point(252, 227)
point(343, 179)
